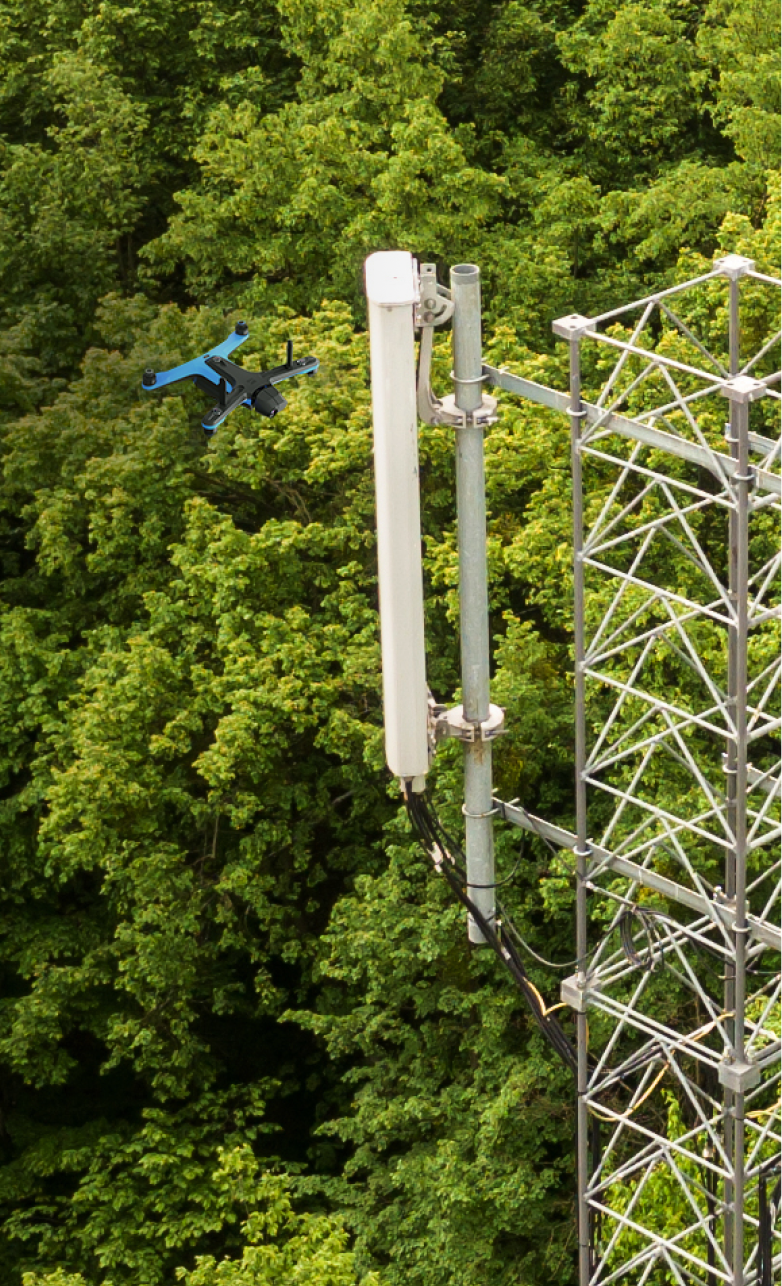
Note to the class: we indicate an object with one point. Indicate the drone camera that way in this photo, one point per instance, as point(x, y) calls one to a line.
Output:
point(268, 402)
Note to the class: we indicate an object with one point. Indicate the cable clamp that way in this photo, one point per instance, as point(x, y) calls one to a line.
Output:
point(577, 415)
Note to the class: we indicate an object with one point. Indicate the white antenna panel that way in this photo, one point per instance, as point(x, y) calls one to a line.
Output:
point(391, 287)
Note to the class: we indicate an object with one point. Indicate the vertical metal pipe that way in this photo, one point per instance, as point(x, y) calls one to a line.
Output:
point(729, 998)
point(742, 480)
point(710, 1185)
point(579, 625)
point(473, 589)
point(740, 417)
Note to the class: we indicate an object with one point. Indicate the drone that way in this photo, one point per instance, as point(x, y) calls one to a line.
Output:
point(213, 374)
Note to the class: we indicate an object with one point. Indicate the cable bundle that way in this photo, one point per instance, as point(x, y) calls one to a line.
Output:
point(440, 848)
point(653, 950)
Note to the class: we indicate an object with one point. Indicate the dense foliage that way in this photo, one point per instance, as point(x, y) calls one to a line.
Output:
point(242, 1037)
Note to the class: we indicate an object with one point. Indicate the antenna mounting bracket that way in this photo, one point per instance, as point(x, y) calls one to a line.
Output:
point(435, 307)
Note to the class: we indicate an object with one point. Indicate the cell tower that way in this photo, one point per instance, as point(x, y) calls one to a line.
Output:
point(676, 522)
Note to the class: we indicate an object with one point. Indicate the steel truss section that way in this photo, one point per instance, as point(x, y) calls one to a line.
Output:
point(677, 674)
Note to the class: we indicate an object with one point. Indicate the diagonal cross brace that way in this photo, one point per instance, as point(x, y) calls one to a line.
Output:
point(719, 908)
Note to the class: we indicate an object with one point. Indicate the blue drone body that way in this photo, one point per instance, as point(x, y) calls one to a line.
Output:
point(232, 385)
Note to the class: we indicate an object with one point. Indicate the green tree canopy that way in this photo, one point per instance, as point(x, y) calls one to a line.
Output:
point(242, 1036)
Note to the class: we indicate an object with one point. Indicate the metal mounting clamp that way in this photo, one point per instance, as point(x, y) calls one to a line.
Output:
point(452, 723)
point(738, 1076)
point(573, 992)
point(447, 412)
point(435, 307)
point(734, 266)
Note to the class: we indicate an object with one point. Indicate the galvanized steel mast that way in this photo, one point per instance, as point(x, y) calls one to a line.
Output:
point(473, 589)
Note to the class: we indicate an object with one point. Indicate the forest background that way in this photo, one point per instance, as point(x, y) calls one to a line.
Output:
point(243, 1039)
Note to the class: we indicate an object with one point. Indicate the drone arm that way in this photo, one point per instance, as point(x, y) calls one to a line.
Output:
point(238, 397)
point(228, 345)
point(301, 366)
point(197, 366)
point(235, 375)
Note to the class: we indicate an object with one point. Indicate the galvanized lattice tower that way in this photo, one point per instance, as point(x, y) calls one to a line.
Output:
point(677, 608)
point(676, 529)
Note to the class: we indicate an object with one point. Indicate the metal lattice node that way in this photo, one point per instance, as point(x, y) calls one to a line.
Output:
point(677, 603)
